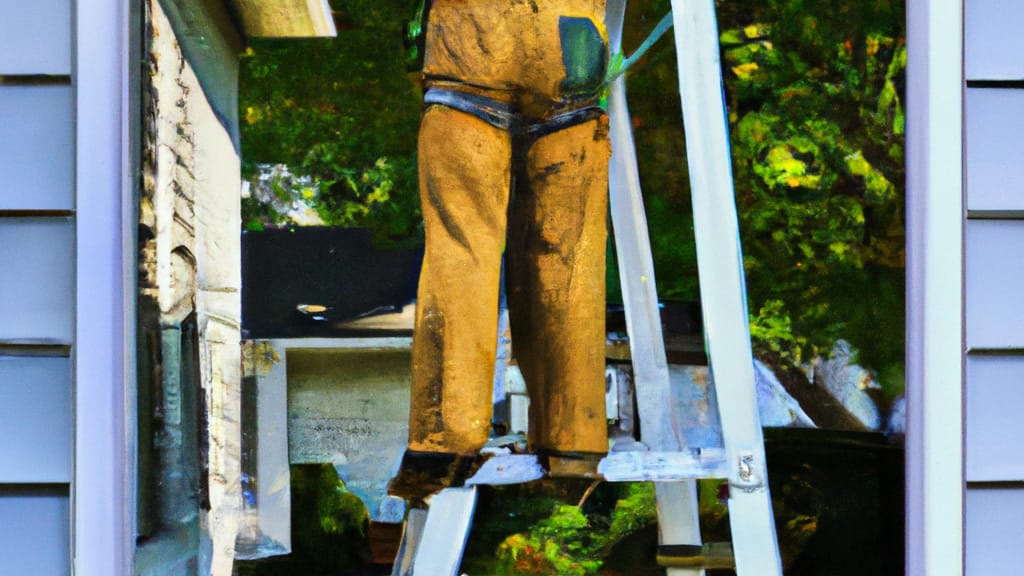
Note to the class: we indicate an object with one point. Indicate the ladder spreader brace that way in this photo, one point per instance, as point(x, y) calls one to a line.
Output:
point(433, 541)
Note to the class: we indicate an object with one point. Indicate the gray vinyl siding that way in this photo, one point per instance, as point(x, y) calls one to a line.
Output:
point(33, 529)
point(991, 46)
point(994, 535)
point(995, 162)
point(41, 32)
point(994, 301)
point(37, 271)
point(995, 389)
point(995, 271)
point(36, 146)
point(37, 285)
point(35, 396)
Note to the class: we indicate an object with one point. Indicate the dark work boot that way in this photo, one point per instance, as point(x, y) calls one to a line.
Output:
point(423, 474)
point(570, 464)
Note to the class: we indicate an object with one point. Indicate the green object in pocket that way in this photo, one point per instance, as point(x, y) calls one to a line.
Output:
point(585, 57)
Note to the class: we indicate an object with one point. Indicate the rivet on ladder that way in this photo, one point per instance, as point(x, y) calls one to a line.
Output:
point(749, 480)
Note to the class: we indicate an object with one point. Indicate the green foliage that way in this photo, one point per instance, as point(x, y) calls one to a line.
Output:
point(816, 124)
point(635, 511)
point(339, 518)
point(558, 544)
point(342, 111)
point(367, 189)
point(817, 136)
point(771, 330)
point(569, 543)
point(329, 527)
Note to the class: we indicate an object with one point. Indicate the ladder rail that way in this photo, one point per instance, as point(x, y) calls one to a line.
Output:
point(722, 285)
point(438, 551)
point(678, 513)
point(636, 263)
point(412, 533)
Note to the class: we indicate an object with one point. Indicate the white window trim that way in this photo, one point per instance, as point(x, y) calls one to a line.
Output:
point(101, 489)
point(935, 341)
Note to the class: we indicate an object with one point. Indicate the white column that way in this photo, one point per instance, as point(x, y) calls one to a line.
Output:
point(101, 494)
point(934, 288)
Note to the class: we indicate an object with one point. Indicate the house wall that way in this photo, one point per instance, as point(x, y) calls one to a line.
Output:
point(63, 479)
point(189, 395)
point(37, 286)
point(994, 269)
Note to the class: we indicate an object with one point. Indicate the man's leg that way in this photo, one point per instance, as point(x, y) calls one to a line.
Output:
point(464, 167)
point(556, 276)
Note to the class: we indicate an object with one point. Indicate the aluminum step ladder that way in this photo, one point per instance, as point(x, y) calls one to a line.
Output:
point(433, 542)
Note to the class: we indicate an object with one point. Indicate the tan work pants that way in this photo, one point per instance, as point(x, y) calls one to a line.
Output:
point(556, 230)
point(546, 195)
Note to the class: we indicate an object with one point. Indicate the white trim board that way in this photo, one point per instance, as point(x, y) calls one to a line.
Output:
point(934, 484)
point(101, 494)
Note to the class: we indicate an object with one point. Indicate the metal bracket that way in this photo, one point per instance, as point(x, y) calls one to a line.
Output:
point(749, 473)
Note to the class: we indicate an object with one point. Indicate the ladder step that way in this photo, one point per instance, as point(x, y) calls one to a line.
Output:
point(507, 469)
point(713, 555)
point(688, 464)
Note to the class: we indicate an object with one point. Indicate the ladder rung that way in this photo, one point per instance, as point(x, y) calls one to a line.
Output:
point(712, 555)
point(507, 469)
point(689, 464)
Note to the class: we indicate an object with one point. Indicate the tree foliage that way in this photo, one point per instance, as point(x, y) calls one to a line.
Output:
point(814, 93)
point(570, 543)
point(343, 111)
point(815, 104)
point(330, 527)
